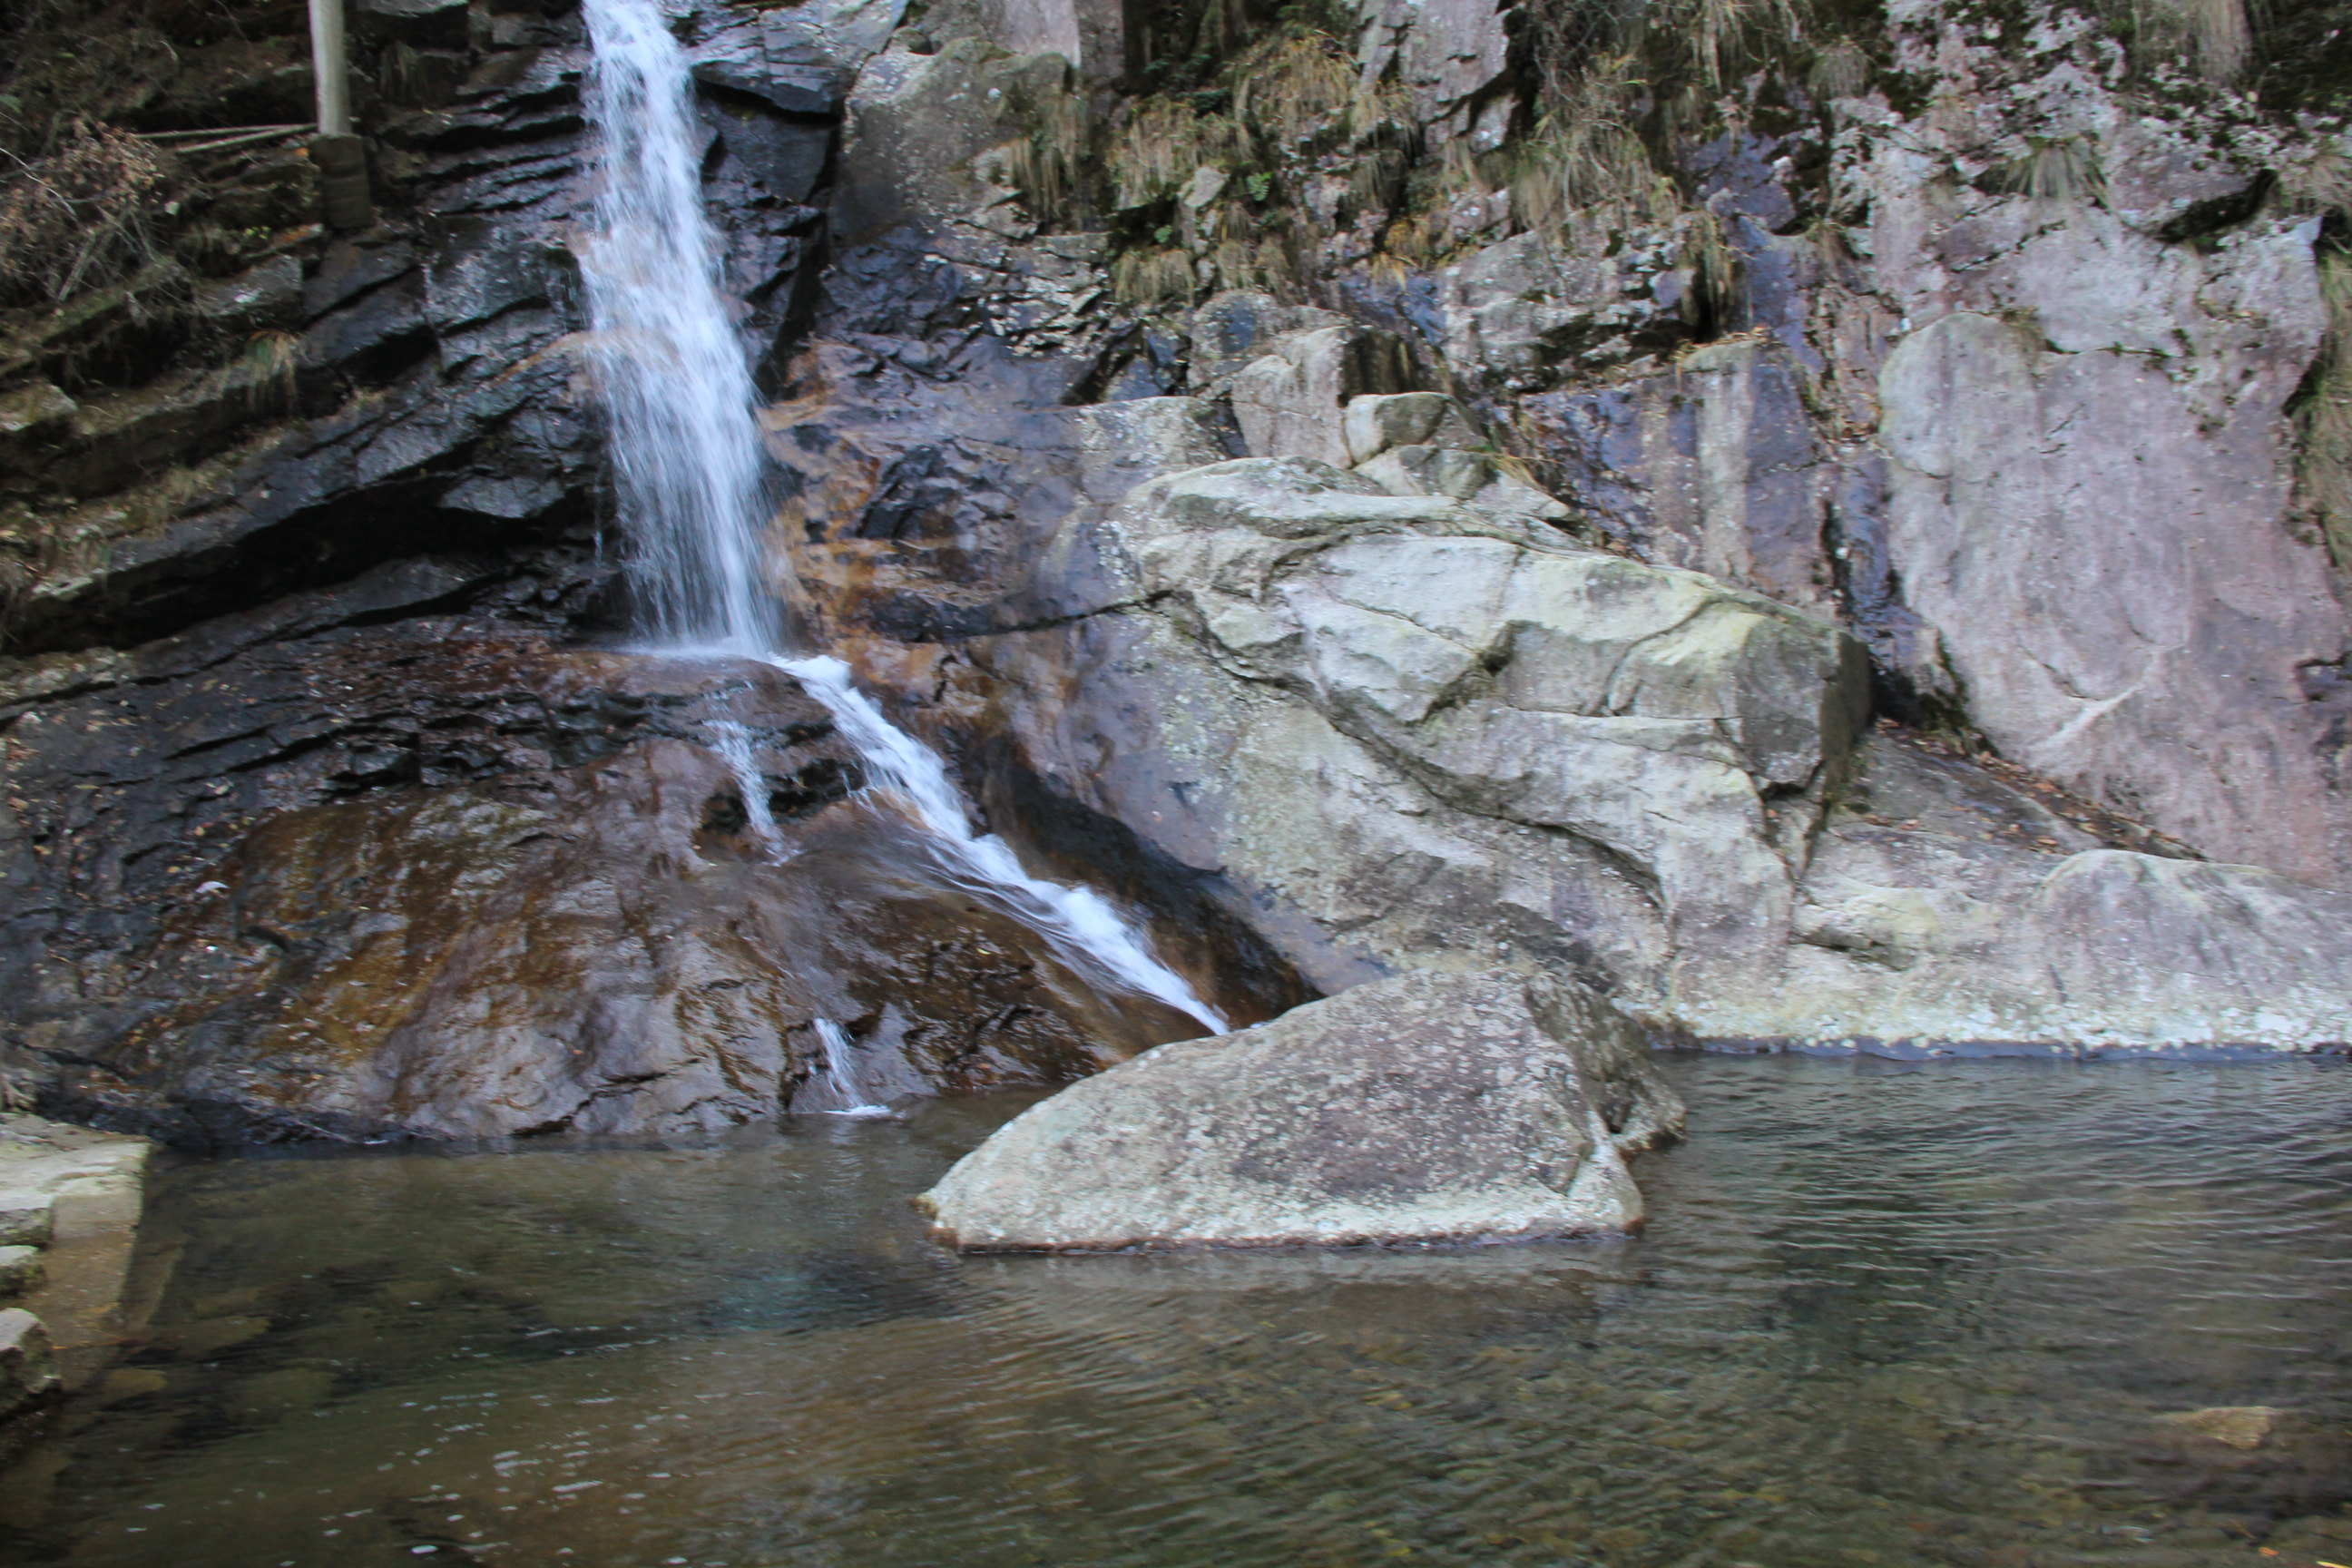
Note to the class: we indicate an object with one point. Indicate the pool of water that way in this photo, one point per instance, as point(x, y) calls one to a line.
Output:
point(1883, 1313)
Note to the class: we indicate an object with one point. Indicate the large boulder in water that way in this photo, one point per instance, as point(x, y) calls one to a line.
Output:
point(1429, 1107)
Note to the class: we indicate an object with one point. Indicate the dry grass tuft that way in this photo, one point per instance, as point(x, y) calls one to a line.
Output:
point(2324, 417)
point(2320, 183)
point(1715, 268)
point(1145, 278)
point(2215, 36)
point(272, 363)
point(1048, 167)
point(1587, 154)
point(1295, 91)
point(84, 215)
point(2065, 171)
point(1164, 143)
point(1265, 263)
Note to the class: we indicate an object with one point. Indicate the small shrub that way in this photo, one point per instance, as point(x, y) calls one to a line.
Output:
point(272, 363)
point(2065, 171)
point(86, 215)
point(1840, 69)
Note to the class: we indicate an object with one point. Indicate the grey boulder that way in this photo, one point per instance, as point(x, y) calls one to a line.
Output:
point(1428, 1107)
point(29, 1366)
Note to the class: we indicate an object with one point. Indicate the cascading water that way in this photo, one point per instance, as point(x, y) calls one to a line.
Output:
point(688, 460)
point(733, 742)
point(1085, 931)
point(838, 1072)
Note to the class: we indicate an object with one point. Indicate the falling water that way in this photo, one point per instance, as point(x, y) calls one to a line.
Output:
point(685, 447)
point(733, 742)
point(840, 1072)
point(1081, 925)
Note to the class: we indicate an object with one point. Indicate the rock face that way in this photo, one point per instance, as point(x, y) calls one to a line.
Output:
point(1517, 677)
point(511, 888)
point(2047, 471)
point(1391, 704)
point(1426, 1108)
point(321, 824)
point(1577, 585)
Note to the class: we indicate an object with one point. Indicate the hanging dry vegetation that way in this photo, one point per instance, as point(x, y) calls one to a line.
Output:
point(2324, 417)
point(113, 202)
point(1233, 185)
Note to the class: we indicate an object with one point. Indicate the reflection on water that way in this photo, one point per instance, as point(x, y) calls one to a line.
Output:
point(1884, 1314)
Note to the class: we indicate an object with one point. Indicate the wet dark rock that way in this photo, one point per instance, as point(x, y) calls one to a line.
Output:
point(786, 156)
point(269, 295)
point(464, 884)
point(323, 580)
point(805, 91)
point(424, 24)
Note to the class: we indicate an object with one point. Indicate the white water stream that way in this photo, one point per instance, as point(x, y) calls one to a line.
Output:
point(841, 1073)
point(733, 742)
point(688, 459)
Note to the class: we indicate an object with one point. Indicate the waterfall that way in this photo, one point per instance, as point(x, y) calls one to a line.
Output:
point(685, 447)
point(688, 461)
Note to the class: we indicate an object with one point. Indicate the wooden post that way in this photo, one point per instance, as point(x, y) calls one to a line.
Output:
point(341, 157)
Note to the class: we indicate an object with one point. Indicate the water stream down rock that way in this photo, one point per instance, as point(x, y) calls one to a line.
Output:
point(1426, 1108)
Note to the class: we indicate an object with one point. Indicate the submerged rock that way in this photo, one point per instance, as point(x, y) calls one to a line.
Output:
point(1424, 1107)
point(2247, 1426)
point(29, 1367)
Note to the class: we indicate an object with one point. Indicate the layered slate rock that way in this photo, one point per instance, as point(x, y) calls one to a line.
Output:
point(501, 887)
point(1424, 1107)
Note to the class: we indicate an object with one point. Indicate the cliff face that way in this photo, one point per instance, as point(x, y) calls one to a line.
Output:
point(1977, 337)
point(1820, 522)
point(321, 823)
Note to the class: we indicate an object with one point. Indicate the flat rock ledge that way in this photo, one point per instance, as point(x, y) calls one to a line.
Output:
point(1424, 1107)
point(70, 1205)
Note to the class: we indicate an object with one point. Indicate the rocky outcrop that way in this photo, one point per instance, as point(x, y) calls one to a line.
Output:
point(70, 1201)
point(1427, 1108)
point(1644, 712)
point(2016, 411)
point(320, 824)
point(469, 884)
point(1409, 730)
point(1316, 685)
point(1538, 597)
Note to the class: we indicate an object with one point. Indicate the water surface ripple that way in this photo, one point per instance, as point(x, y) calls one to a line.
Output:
point(1884, 1313)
